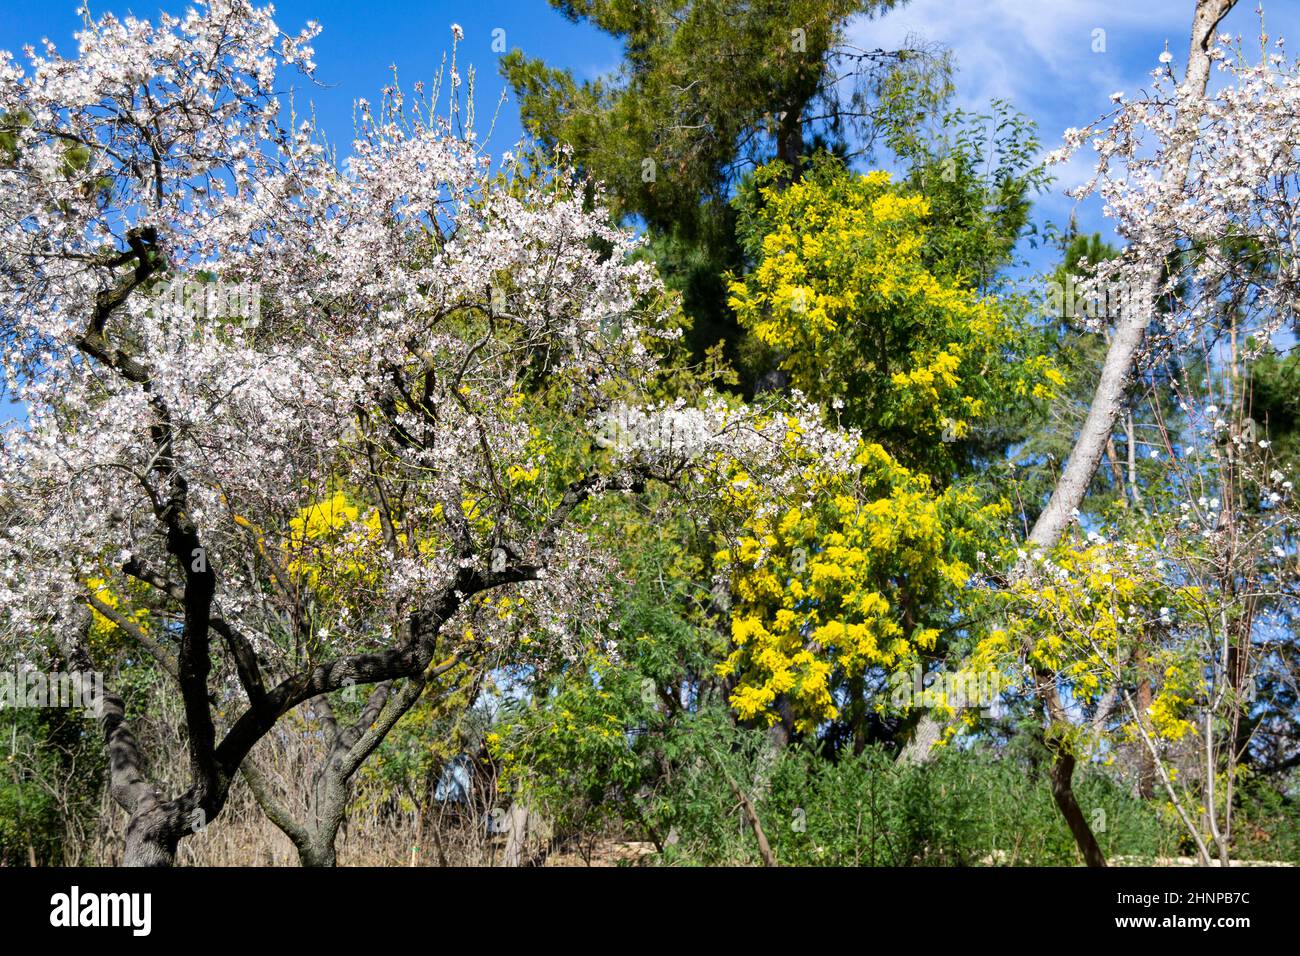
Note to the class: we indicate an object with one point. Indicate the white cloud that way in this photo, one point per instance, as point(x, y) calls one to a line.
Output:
point(1039, 56)
point(1035, 52)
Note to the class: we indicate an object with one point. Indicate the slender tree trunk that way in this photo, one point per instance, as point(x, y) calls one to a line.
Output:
point(1146, 763)
point(789, 141)
point(1062, 771)
point(332, 787)
point(315, 840)
point(517, 851)
point(1130, 329)
point(1063, 793)
point(1107, 403)
point(755, 825)
point(920, 745)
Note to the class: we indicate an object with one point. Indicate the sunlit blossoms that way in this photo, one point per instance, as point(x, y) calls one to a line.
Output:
point(1232, 220)
point(325, 482)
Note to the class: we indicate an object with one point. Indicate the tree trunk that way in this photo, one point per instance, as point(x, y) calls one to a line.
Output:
point(1063, 793)
point(920, 745)
point(755, 825)
point(1146, 762)
point(789, 141)
point(1130, 330)
point(516, 851)
point(1107, 401)
point(330, 804)
point(349, 748)
point(152, 835)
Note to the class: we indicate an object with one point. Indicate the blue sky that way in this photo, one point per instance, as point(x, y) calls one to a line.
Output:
point(360, 41)
point(1038, 54)
point(1041, 55)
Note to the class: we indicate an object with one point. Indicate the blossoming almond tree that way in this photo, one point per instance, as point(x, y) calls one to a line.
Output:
point(1152, 233)
point(1202, 183)
point(408, 306)
point(1148, 218)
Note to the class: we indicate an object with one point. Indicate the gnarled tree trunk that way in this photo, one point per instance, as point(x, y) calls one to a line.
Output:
point(349, 747)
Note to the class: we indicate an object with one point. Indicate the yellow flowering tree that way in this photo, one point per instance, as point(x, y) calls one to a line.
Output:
point(859, 578)
point(843, 292)
point(1114, 626)
point(1090, 612)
